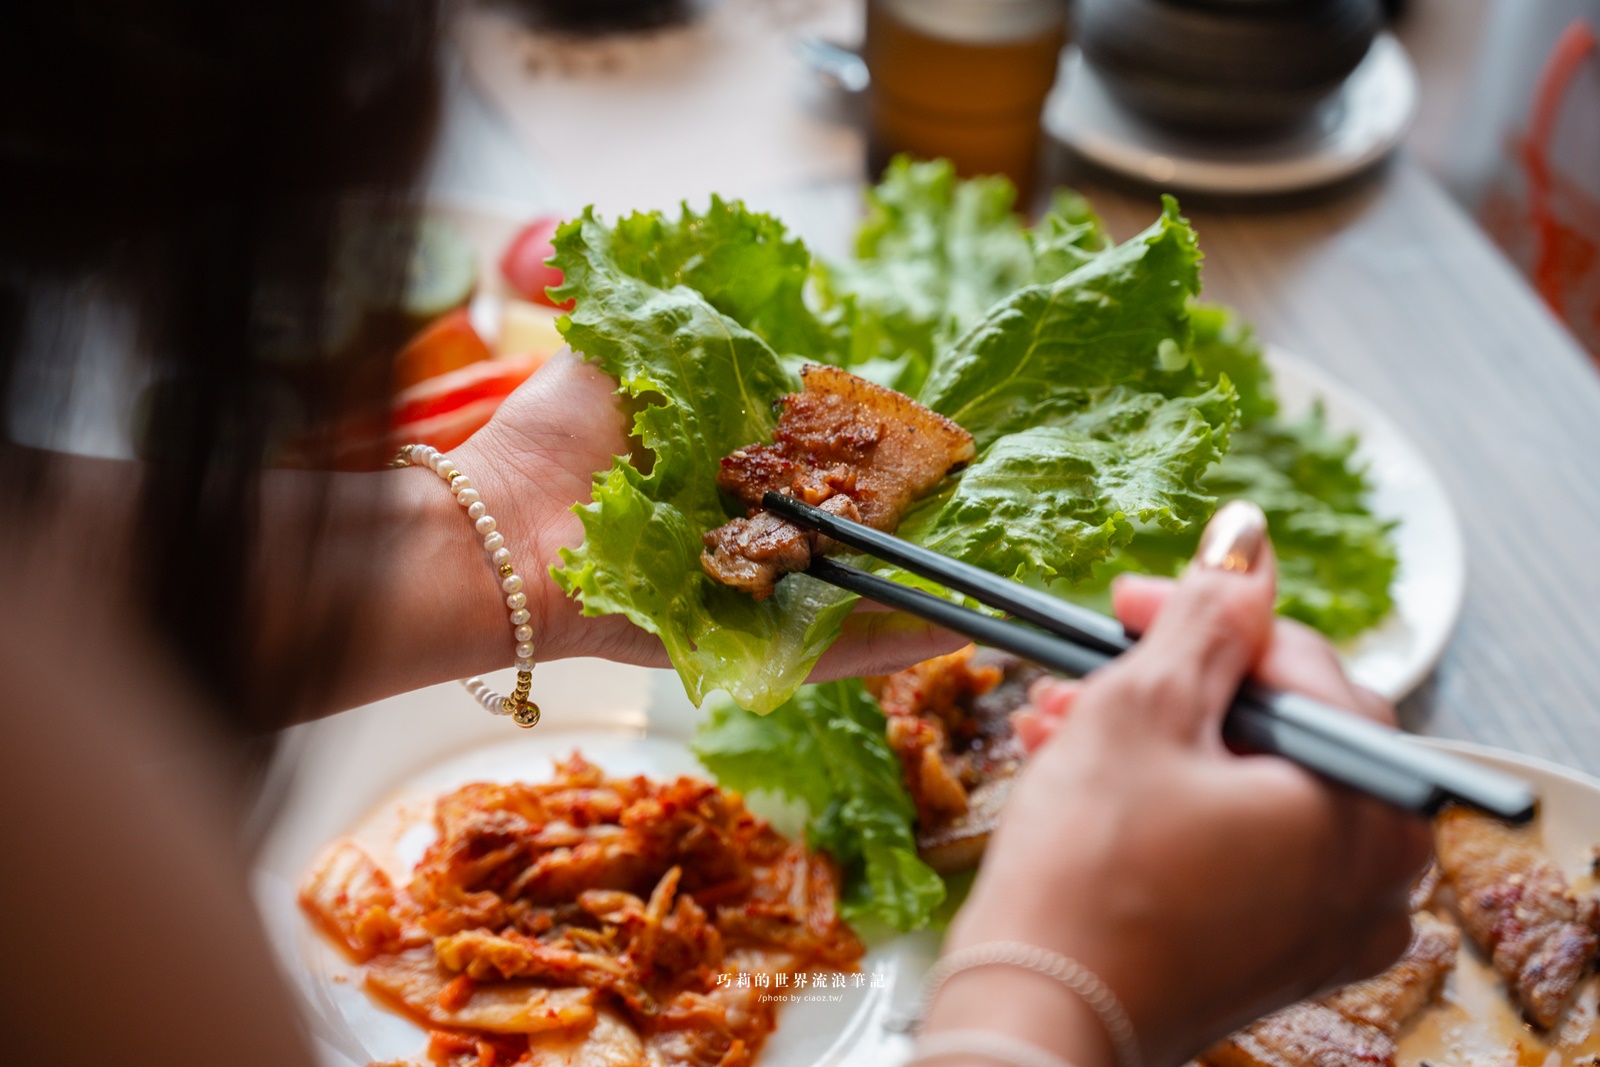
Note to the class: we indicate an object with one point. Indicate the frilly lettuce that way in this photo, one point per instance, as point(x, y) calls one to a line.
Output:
point(1110, 409)
point(825, 746)
point(1069, 382)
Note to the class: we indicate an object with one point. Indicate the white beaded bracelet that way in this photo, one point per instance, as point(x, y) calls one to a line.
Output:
point(984, 1044)
point(517, 705)
point(1069, 972)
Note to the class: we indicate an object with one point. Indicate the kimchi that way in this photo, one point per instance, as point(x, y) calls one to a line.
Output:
point(589, 919)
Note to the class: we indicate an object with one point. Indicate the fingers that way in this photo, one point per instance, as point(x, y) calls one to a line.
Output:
point(1136, 598)
point(1297, 657)
point(1050, 700)
point(1209, 630)
point(882, 642)
point(1300, 659)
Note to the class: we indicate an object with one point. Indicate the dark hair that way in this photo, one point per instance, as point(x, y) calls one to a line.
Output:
point(184, 170)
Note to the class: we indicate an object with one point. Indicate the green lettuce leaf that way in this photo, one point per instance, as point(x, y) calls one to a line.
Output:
point(1336, 560)
point(1122, 318)
point(659, 304)
point(641, 320)
point(1049, 501)
point(826, 748)
point(932, 256)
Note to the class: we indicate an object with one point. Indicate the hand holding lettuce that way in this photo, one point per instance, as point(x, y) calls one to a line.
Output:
point(1110, 410)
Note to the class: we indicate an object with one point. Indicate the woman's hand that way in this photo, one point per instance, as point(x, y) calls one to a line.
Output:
point(1205, 888)
point(538, 457)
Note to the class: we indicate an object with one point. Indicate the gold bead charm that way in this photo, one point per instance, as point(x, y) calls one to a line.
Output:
point(527, 716)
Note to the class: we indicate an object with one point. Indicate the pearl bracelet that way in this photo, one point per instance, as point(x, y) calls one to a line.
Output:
point(1084, 983)
point(517, 705)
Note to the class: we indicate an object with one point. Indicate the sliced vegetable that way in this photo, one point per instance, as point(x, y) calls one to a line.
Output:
point(524, 266)
point(446, 410)
point(447, 344)
point(441, 266)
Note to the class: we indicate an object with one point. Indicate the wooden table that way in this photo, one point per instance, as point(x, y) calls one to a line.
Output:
point(1394, 291)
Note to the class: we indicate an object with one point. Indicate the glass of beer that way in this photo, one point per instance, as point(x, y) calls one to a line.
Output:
point(964, 80)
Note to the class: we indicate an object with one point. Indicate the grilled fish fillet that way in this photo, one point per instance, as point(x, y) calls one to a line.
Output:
point(844, 444)
point(1516, 904)
point(1354, 1026)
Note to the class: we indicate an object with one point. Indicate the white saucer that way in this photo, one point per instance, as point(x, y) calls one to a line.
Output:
point(1352, 131)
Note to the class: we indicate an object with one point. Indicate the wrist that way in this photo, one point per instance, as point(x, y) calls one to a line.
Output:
point(1024, 1005)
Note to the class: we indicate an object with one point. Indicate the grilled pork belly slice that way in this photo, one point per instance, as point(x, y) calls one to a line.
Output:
point(844, 444)
point(949, 723)
point(1354, 1026)
point(1516, 904)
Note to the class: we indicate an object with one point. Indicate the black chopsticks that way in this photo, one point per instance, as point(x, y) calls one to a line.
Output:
point(1075, 641)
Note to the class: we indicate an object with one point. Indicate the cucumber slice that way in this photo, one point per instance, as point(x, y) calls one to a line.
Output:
point(440, 273)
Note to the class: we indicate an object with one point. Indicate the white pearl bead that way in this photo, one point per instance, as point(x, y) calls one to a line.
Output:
point(461, 485)
point(519, 616)
point(485, 526)
point(517, 600)
point(525, 650)
point(441, 463)
point(501, 557)
point(523, 633)
point(476, 510)
point(468, 496)
point(512, 583)
point(523, 665)
point(493, 542)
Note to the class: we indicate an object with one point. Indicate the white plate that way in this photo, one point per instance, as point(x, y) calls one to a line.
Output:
point(1471, 1027)
point(343, 790)
point(1350, 132)
point(1393, 657)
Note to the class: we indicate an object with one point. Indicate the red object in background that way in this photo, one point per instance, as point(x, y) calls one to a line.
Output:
point(446, 410)
point(446, 344)
point(523, 263)
point(1546, 217)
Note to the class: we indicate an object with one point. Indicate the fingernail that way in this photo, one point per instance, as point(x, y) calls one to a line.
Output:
point(1234, 538)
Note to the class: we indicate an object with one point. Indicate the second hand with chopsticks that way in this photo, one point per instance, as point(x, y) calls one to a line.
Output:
point(1075, 641)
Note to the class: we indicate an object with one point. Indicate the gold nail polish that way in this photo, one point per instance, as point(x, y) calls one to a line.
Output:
point(1234, 537)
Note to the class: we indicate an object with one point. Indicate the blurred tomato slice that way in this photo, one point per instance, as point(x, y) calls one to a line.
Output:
point(523, 263)
point(446, 410)
point(444, 345)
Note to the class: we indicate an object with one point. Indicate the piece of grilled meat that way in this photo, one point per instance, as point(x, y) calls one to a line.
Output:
point(845, 444)
point(949, 722)
point(1516, 904)
point(1355, 1026)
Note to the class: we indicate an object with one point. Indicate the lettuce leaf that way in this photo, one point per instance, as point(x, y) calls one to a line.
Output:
point(1048, 501)
point(639, 316)
point(931, 257)
point(1071, 380)
point(825, 746)
point(1122, 318)
point(1336, 560)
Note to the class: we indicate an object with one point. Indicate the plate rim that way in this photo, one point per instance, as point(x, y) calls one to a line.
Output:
point(1340, 398)
point(1196, 174)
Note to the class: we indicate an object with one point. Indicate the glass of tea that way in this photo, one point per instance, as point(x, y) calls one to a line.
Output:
point(964, 80)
